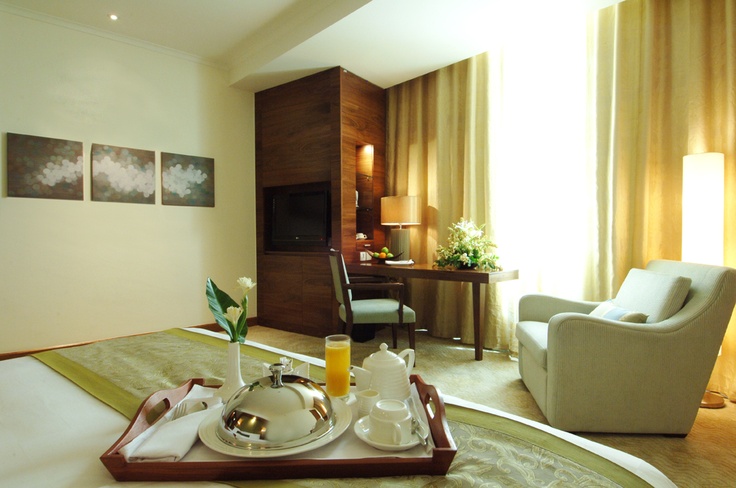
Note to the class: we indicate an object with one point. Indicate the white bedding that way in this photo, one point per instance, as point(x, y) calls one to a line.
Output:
point(52, 433)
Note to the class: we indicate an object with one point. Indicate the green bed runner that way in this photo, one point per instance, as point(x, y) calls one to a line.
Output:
point(492, 450)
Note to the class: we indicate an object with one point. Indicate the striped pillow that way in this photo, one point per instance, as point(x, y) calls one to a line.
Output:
point(608, 310)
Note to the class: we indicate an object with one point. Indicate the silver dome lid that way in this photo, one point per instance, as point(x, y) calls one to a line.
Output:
point(280, 411)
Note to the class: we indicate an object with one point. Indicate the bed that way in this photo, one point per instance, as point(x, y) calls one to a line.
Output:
point(57, 423)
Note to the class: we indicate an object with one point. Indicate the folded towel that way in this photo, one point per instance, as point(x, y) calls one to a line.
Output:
point(170, 440)
point(407, 262)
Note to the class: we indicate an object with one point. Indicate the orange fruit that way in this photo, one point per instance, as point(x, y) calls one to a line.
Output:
point(382, 255)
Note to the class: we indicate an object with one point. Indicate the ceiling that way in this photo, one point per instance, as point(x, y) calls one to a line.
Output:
point(264, 43)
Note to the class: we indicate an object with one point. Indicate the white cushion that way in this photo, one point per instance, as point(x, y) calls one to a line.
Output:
point(609, 310)
point(658, 295)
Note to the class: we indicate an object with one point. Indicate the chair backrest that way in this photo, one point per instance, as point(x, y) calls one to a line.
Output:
point(339, 277)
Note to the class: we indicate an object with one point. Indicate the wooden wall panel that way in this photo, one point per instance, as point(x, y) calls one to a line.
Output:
point(318, 296)
point(280, 293)
point(299, 130)
point(307, 131)
point(363, 109)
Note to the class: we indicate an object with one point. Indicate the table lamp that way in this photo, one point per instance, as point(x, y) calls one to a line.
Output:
point(401, 211)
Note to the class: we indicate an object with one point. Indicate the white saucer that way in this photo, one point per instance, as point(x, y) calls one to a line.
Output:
point(362, 428)
point(208, 435)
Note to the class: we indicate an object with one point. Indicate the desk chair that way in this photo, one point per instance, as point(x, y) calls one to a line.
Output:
point(372, 310)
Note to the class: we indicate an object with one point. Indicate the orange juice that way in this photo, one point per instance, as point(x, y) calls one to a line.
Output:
point(337, 365)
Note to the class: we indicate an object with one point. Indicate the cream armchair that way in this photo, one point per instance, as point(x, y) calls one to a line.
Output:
point(590, 373)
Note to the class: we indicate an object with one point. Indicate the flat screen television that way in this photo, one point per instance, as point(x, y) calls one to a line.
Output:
point(299, 217)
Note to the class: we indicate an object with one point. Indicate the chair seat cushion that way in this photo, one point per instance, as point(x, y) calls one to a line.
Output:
point(609, 310)
point(658, 295)
point(533, 336)
point(378, 310)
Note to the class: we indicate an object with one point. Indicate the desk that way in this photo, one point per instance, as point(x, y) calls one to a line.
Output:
point(425, 271)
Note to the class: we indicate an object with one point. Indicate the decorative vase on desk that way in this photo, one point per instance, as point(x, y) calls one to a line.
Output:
point(233, 377)
point(231, 316)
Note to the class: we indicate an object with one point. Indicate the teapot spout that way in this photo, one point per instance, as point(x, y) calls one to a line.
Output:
point(362, 377)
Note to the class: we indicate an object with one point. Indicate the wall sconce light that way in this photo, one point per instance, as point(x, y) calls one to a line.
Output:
point(703, 221)
point(401, 211)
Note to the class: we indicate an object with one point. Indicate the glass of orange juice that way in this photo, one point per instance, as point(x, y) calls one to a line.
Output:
point(337, 365)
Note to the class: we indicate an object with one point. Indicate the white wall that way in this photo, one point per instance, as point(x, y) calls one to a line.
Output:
point(73, 271)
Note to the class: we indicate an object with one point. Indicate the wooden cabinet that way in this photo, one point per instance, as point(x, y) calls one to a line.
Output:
point(328, 127)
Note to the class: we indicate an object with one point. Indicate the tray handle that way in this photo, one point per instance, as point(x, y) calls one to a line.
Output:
point(150, 407)
point(434, 407)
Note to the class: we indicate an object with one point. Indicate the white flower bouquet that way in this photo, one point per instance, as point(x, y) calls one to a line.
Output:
point(468, 248)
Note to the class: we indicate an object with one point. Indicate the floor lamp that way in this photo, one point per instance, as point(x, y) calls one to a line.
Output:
point(401, 211)
point(702, 221)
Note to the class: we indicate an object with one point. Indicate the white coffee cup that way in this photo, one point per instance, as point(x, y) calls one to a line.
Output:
point(366, 400)
point(390, 422)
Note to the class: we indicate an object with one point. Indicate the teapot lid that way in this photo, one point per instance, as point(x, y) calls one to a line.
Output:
point(384, 354)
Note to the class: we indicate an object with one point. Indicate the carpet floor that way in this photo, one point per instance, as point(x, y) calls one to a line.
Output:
point(705, 457)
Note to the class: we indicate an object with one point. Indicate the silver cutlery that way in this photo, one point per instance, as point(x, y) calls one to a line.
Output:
point(186, 407)
point(419, 429)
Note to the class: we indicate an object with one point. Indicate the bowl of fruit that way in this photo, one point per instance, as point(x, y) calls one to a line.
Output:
point(384, 254)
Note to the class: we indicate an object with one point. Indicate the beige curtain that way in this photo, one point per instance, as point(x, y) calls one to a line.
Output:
point(438, 148)
point(484, 140)
point(665, 88)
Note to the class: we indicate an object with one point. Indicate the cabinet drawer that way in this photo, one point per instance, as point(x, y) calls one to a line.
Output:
point(363, 245)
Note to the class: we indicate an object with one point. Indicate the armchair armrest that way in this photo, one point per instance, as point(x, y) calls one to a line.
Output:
point(595, 363)
point(541, 308)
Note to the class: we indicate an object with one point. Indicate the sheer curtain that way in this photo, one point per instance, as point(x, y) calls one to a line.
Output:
point(501, 139)
point(666, 87)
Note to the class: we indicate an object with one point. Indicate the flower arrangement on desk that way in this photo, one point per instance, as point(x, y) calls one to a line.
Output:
point(230, 315)
point(468, 248)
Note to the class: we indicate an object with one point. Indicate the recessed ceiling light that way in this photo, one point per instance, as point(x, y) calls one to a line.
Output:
point(113, 16)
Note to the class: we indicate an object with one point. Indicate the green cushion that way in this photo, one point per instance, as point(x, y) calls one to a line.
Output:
point(378, 311)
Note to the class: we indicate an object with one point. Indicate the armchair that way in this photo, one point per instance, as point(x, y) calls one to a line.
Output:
point(371, 310)
point(589, 373)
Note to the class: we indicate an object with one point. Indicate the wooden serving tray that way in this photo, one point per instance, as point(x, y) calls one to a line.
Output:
point(254, 469)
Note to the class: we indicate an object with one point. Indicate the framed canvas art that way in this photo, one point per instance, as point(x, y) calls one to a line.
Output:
point(187, 180)
point(121, 174)
point(43, 167)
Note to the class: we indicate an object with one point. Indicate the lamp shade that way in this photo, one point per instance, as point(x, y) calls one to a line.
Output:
point(400, 211)
point(703, 208)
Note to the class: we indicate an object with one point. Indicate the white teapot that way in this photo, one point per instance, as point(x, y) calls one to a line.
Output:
point(386, 372)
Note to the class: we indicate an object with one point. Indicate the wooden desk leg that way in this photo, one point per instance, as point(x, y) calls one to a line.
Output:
point(477, 337)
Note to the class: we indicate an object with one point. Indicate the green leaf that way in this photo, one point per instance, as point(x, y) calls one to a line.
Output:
point(219, 301)
point(242, 329)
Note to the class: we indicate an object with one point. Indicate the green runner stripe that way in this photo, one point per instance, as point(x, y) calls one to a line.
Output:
point(546, 441)
point(94, 384)
point(316, 372)
point(81, 370)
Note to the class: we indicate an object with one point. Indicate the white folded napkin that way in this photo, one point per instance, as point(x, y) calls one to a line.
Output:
point(406, 262)
point(170, 440)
